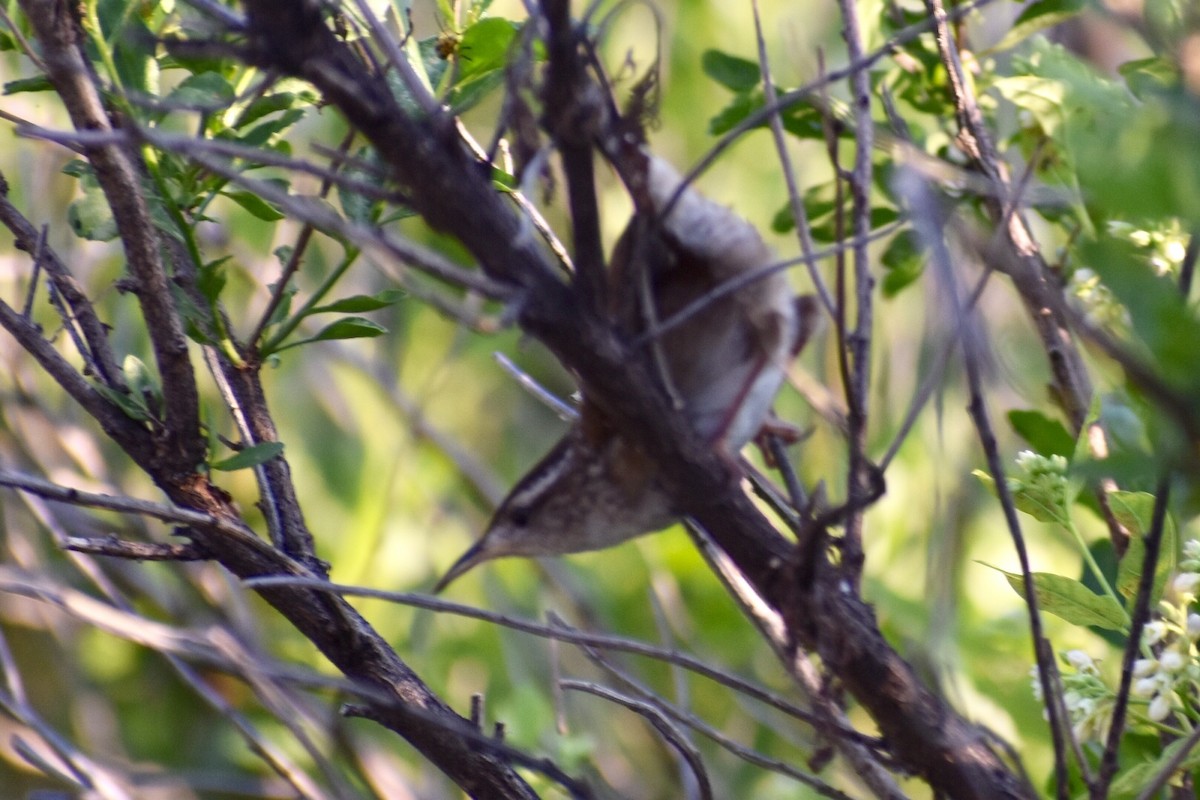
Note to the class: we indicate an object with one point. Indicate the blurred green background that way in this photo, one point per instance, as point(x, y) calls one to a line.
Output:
point(401, 445)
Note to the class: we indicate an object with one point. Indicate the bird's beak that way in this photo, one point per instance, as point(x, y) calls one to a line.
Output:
point(468, 560)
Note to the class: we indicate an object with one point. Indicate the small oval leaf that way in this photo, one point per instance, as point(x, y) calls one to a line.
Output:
point(249, 457)
point(362, 302)
point(734, 73)
point(256, 206)
point(350, 328)
point(1069, 599)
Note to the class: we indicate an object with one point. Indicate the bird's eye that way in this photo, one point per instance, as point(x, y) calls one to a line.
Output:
point(519, 516)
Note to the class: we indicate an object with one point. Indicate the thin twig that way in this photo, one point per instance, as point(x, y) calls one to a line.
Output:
point(858, 480)
point(120, 174)
point(124, 430)
point(1141, 610)
point(864, 745)
point(1157, 781)
point(27, 309)
point(1027, 267)
point(493, 745)
point(571, 117)
point(661, 722)
point(1098, 789)
point(663, 711)
point(26, 48)
point(605, 641)
point(805, 92)
point(920, 198)
point(113, 547)
point(382, 246)
point(565, 412)
point(799, 212)
point(417, 90)
point(68, 324)
point(33, 241)
point(129, 505)
point(826, 718)
point(933, 377)
point(296, 256)
point(521, 198)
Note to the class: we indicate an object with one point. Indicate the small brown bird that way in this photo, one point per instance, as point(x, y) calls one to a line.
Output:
point(724, 364)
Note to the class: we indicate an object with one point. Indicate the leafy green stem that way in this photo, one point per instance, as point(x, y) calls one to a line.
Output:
point(288, 326)
point(1090, 560)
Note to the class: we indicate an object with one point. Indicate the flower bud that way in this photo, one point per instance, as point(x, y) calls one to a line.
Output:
point(1172, 661)
point(1080, 660)
point(1153, 633)
point(1159, 708)
point(1186, 583)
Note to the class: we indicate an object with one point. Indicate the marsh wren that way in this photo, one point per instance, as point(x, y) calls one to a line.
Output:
point(722, 364)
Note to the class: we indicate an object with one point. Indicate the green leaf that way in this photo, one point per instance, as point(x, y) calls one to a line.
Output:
point(734, 73)
point(728, 118)
point(38, 83)
point(1160, 315)
point(249, 457)
point(482, 56)
point(138, 376)
point(279, 101)
point(350, 328)
point(90, 216)
point(1147, 166)
point(1031, 502)
point(255, 205)
point(359, 207)
point(195, 321)
point(1041, 97)
point(469, 93)
point(806, 122)
point(430, 66)
point(904, 260)
point(284, 309)
point(206, 91)
point(1148, 76)
point(1135, 510)
point(1070, 600)
point(77, 168)
point(134, 48)
point(128, 404)
point(362, 302)
point(1038, 16)
point(1134, 778)
point(484, 47)
point(262, 134)
point(823, 224)
point(212, 279)
point(1048, 437)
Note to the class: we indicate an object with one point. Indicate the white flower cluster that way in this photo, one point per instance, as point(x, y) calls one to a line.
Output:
point(1168, 671)
point(1098, 302)
point(1162, 679)
point(1042, 478)
point(1088, 699)
point(1166, 245)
